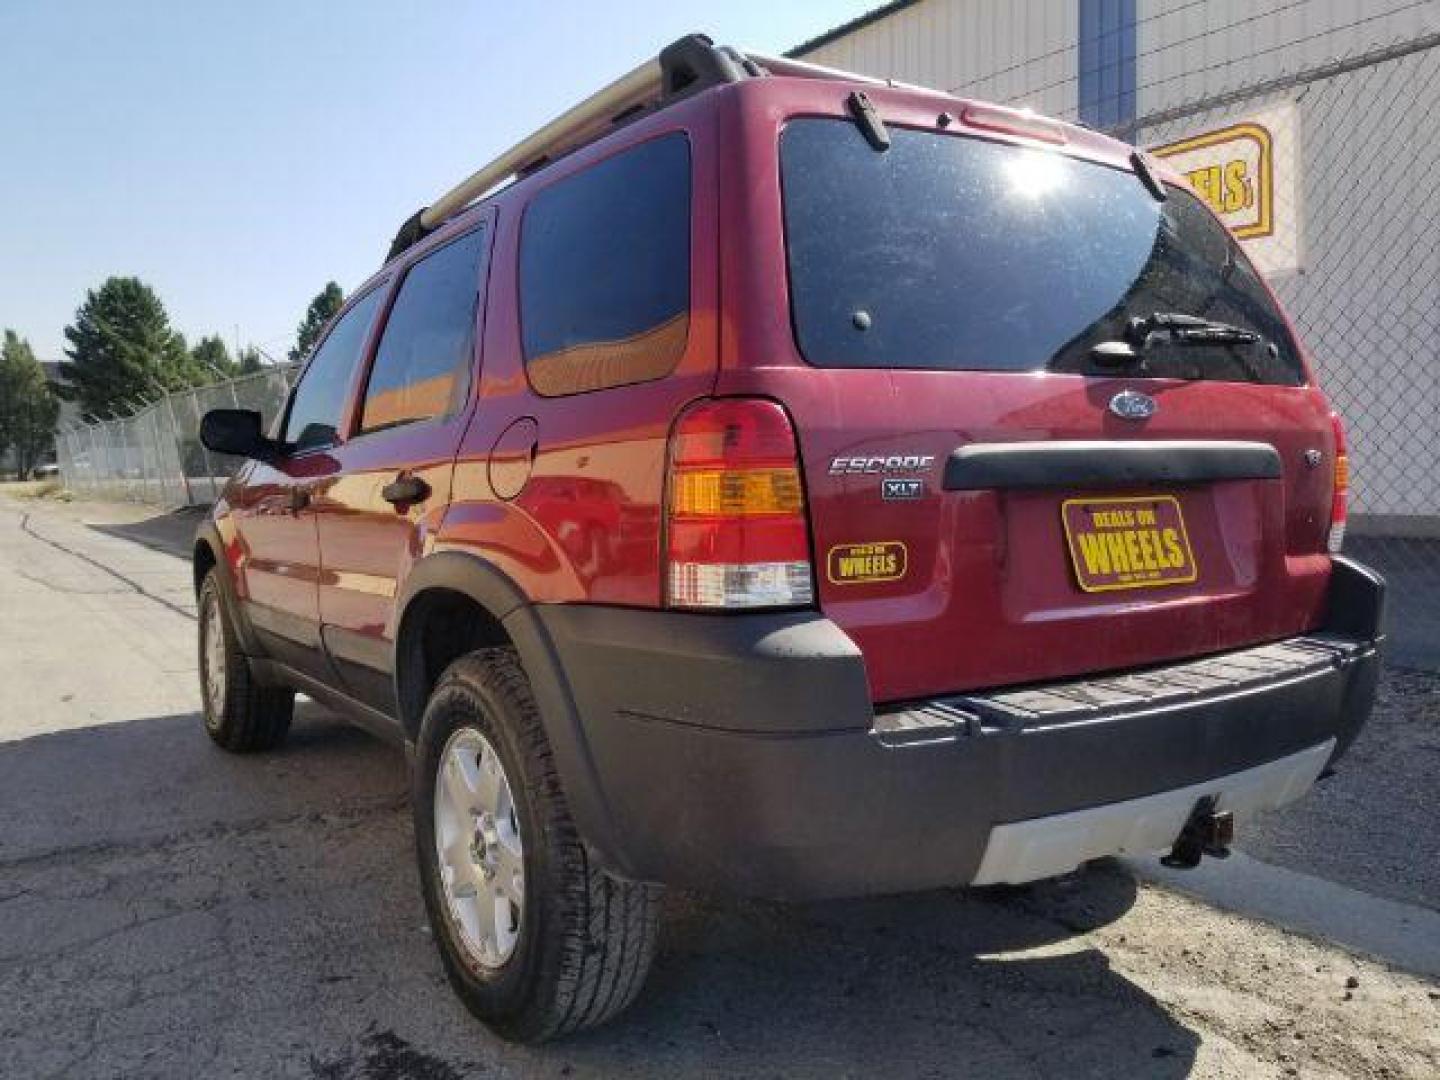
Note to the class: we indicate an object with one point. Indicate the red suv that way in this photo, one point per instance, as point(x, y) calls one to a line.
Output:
point(799, 486)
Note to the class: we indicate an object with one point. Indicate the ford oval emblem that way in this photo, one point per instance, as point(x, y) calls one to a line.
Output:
point(1133, 405)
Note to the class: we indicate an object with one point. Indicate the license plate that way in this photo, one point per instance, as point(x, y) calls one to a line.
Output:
point(1133, 543)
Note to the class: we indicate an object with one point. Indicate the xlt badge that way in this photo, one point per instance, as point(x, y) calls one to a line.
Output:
point(895, 490)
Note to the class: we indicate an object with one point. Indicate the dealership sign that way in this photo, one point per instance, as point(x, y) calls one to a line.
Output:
point(1245, 170)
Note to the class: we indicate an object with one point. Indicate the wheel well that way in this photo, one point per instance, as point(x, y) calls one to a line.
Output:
point(202, 562)
point(439, 627)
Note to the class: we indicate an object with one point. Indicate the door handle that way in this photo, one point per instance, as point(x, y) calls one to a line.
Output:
point(405, 489)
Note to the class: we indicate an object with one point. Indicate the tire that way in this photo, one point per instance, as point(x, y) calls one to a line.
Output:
point(580, 942)
point(240, 715)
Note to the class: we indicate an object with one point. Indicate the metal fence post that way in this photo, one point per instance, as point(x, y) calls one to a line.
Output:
point(204, 450)
point(179, 449)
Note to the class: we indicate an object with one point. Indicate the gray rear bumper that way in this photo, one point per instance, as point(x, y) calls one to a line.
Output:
point(741, 753)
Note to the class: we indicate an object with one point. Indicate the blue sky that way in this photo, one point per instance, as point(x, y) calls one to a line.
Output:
point(237, 156)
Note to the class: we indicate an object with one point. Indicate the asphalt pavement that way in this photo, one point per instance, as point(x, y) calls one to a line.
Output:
point(170, 910)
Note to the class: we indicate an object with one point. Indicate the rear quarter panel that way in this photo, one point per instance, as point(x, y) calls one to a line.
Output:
point(585, 527)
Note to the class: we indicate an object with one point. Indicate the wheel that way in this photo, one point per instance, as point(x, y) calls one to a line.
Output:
point(240, 715)
point(536, 939)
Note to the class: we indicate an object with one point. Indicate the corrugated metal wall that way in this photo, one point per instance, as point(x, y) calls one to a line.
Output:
point(1190, 49)
point(991, 49)
point(1025, 52)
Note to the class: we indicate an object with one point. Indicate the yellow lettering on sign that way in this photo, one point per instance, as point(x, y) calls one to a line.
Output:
point(1125, 551)
point(1119, 557)
point(1171, 540)
point(1239, 192)
point(1093, 551)
point(1206, 182)
point(1232, 170)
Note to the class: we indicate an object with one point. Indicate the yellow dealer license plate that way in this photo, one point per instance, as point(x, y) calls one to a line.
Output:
point(1134, 543)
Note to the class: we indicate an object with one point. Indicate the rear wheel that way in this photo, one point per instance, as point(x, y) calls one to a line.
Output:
point(536, 939)
point(240, 715)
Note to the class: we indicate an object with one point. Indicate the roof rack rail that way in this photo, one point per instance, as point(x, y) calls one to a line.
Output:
point(684, 67)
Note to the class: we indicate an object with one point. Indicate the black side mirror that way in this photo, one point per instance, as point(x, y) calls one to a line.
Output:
point(237, 432)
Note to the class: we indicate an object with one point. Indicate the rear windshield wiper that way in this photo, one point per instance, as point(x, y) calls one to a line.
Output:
point(1188, 330)
point(1178, 328)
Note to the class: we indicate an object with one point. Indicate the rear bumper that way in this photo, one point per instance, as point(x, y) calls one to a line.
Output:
point(742, 753)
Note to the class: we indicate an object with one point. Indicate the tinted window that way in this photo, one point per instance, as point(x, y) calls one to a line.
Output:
point(605, 271)
point(953, 252)
point(422, 367)
point(320, 398)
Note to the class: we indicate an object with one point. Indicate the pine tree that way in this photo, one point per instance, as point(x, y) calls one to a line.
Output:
point(122, 349)
point(211, 357)
point(250, 360)
point(28, 407)
point(321, 310)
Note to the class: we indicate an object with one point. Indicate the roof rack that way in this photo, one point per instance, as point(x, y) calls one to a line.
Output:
point(686, 66)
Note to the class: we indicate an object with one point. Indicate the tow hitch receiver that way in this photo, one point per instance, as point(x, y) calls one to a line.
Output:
point(1206, 833)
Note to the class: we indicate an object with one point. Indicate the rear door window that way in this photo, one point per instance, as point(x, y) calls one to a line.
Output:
point(955, 253)
point(320, 398)
point(605, 271)
point(422, 365)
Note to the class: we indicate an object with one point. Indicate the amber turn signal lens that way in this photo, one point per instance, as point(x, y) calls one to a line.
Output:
point(712, 492)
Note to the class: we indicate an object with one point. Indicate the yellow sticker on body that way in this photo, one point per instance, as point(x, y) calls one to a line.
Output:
point(853, 564)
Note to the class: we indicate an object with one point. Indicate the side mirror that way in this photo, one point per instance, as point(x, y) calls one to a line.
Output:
point(236, 432)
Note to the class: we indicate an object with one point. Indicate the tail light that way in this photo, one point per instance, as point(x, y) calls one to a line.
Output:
point(1339, 500)
point(736, 534)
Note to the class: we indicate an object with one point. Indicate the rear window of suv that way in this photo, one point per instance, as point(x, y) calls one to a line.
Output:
point(605, 271)
point(955, 253)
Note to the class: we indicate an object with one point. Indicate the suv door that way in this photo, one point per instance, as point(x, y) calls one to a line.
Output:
point(273, 508)
point(394, 471)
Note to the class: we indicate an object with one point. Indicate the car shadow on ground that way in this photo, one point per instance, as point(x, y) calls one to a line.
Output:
point(169, 909)
point(172, 532)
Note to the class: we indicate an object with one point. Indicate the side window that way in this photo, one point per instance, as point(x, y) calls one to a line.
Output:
point(422, 367)
point(319, 400)
point(605, 271)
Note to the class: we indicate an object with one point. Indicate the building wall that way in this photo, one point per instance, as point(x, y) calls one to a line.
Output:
point(1188, 50)
point(990, 49)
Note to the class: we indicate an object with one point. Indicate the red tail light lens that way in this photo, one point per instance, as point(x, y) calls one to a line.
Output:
point(1339, 501)
point(736, 531)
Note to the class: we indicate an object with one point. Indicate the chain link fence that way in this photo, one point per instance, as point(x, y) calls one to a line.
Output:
point(154, 455)
point(1361, 279)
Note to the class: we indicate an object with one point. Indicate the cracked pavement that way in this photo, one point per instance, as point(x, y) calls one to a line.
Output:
point(170, 910)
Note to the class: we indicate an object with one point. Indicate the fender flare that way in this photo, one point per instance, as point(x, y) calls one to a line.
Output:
point(487, 586)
